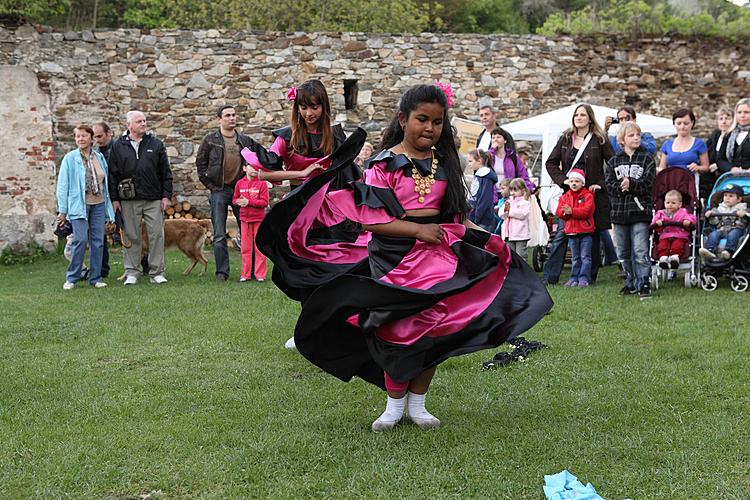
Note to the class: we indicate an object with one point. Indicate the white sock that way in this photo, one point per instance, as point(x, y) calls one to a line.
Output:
point(394, 410)
point(416, 405)
point(418, 413)
point(674, 257)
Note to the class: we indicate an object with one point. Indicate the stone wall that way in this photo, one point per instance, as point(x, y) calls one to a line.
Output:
point(178, 78)
point(27, 167)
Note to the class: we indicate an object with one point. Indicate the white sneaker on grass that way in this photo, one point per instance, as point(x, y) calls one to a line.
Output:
point(69, 285)
point(99, 284)
point(158, 279)
point(289, 344)
point(130, 280)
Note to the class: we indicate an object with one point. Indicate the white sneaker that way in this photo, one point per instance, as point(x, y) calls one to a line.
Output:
point(130, 280)
point(158, 279)
point(100, 284)
point(289, 344)
point(69, 285)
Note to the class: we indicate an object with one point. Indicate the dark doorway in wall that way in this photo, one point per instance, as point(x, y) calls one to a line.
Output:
point(350, 94)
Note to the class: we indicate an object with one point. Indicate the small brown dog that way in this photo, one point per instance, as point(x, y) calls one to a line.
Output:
point(189, 235)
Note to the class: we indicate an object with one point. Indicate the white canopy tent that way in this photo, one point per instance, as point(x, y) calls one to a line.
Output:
point(548, 127)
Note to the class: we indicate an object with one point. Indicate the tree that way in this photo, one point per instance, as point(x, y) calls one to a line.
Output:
point(637, 18)
point(537, 11)
point(33, 10)
point(497, 16)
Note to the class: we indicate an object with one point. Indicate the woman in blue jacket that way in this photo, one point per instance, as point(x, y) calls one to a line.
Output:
point(83, 199)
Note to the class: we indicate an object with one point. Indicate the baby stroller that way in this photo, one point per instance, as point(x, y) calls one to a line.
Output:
point(686, 183)
point(737, 268)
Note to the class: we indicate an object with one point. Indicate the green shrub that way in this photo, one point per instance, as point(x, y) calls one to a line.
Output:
point(32, 252)
point(638, 18)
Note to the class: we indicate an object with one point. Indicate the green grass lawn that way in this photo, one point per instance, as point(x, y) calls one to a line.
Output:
point(184, 390)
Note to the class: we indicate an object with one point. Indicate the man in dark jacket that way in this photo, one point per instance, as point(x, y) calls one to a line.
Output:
point(140, 185)
point(103, 138)
point(219, 164)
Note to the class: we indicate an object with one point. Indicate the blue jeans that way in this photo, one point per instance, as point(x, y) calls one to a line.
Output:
point(632, 248)
point(87, 231)
point(580, 247)
point(610, 254)
point(554, 265)
point(219, 201)
point(733, 238)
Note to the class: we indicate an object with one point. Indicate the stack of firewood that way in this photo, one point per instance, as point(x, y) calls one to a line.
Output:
point(181, 210)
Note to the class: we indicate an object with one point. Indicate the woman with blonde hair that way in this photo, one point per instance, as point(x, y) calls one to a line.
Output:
point(738, 144)
point(717, 151)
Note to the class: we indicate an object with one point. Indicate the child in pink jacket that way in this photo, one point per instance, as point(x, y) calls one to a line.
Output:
point(251, 195)
point(673, 224)
point(515, 215)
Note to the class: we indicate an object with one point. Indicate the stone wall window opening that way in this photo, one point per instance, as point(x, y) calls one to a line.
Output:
point(351, 89)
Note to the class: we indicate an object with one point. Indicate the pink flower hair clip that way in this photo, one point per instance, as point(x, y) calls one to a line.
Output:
point(447, 90)
point(291, 94)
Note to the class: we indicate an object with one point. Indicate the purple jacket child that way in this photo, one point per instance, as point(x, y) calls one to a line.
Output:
point(510, 170)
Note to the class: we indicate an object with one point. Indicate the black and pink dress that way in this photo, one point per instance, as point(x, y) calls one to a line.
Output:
point(282, 152)
point(307, 252)
point(403, 305)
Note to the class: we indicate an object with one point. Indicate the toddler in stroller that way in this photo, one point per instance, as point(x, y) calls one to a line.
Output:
point(673, 225)
point(675, 197)
point(729, 220)
point(726, 226)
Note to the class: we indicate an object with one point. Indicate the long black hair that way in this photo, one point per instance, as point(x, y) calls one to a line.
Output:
point(454, 202)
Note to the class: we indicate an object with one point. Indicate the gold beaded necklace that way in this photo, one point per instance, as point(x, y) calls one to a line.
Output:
point(422, 183)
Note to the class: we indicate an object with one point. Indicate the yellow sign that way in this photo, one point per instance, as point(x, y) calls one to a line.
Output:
point(469, 132)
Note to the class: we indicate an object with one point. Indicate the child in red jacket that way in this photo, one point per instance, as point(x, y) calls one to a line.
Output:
point(576, 208)
point(251, 195)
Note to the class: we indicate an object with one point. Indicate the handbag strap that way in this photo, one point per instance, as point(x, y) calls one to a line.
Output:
point(586, 141)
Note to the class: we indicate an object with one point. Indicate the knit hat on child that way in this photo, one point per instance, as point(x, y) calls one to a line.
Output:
point(577, 173)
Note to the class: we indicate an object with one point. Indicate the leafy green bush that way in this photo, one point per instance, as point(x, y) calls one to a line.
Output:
point(637, 18)
point(32, 252)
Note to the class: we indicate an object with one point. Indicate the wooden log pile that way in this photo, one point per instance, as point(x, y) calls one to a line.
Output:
point(181, 210)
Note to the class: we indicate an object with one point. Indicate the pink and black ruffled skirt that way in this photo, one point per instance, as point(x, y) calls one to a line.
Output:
point(398, 305)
